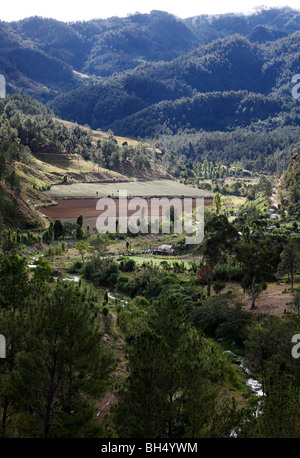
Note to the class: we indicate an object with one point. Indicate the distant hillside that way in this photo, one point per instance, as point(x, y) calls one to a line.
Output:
point(46, 57)
point(28, 68)
point(281, 20)
point(221, 85)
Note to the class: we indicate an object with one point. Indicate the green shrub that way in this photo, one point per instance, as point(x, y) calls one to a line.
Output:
point(101, 271)
point(127, 265)
point(218, 286)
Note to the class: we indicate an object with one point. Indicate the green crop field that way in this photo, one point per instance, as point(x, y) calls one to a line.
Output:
point(157, 188)
point(157, 260)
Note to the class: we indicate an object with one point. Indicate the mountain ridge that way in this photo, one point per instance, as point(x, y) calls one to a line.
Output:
point(231, 64)
point(45, 57)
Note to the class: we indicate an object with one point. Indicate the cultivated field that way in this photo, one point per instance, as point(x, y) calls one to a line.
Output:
point(159, 188)
point(82, 198)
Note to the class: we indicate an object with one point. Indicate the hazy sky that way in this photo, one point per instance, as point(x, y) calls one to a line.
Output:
point(72, 10)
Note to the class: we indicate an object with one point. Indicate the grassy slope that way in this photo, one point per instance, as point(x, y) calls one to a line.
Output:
point(50, 168)
point(38, 175)
point(130, 172)
point(16, 211)
point(98, 134)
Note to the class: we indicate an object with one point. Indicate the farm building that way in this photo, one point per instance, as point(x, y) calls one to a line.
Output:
point(163, 250)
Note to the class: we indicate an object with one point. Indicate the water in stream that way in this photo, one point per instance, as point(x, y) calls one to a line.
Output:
point(252, 383)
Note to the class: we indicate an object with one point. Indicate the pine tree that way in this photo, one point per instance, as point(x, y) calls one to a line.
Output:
point(279, 411)
point(65, 364)
point(142, 409)
point(290, 260)
point(79, 227)
point(14, 297)
point(259, 265)
point(58, 229)
point(169, 391)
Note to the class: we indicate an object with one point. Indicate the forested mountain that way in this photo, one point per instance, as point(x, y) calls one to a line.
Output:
point(46, 57)
point(224, 85)
point(261, 147)
point(263, 25)
point(155, 75)
point(30, 69)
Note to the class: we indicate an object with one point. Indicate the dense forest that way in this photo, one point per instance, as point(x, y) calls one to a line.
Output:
point(230, 78)
point(219, 84)
point(101, 47)
point(256, 148)
point(172, 331)
point(228, 93)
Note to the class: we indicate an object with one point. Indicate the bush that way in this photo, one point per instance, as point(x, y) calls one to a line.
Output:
point(122, 281)
point(113, 279)
point(127, 265)
point(218, 286)
point(223, 317)
point(105, 311)
point(228, 271)
point(141, 301)
point(75, 268)
point(102, 272)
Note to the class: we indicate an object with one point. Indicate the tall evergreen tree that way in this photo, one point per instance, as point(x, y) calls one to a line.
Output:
point(64, 366)
point(14, 296)
point(290, 260)
point(170, 390)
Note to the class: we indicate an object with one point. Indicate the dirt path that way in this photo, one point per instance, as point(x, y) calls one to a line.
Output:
point(274, 199)
point(105, 404)
point(111, 397)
